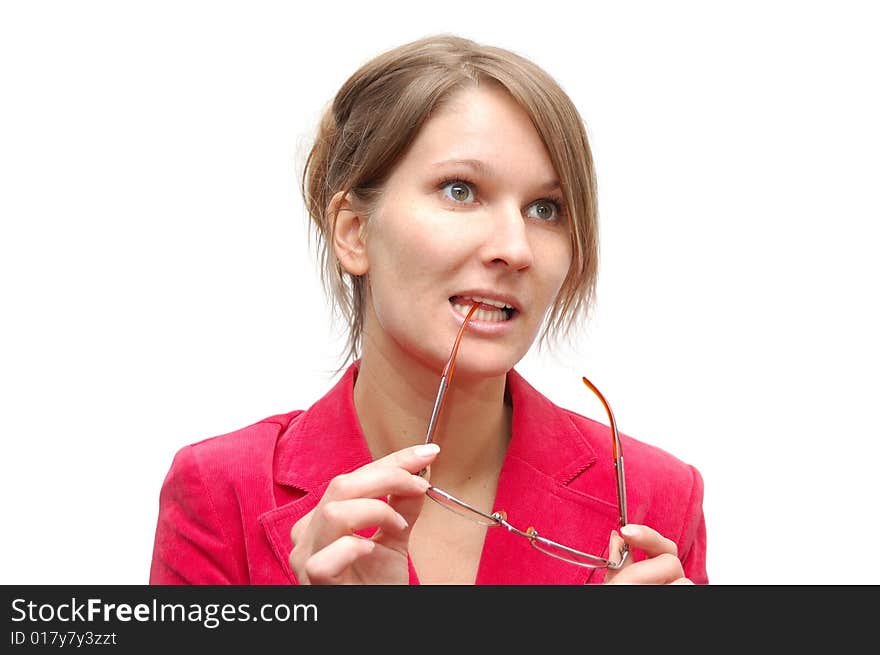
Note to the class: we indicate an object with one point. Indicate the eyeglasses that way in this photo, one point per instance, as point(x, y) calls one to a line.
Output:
point(499, 517)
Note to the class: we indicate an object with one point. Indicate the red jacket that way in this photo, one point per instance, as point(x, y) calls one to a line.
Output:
point(228, 503)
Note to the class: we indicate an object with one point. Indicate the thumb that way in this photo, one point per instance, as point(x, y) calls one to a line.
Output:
point(616, 544)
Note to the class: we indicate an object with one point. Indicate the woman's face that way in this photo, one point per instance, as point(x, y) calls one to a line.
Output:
point(472, 213)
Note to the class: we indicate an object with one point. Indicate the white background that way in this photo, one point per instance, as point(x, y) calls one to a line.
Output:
point(158, 287)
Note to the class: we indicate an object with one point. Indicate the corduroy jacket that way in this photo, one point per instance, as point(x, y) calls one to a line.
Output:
point(228, 503)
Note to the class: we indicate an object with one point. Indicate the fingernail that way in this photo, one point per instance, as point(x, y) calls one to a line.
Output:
point(427, 450)
point(422, 483)
point(629, 531)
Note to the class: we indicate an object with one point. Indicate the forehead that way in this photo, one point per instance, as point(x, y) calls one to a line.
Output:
point(483, 124)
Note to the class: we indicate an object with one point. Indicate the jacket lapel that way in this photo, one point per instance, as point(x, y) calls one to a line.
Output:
point(324, 442)
point(547, 454)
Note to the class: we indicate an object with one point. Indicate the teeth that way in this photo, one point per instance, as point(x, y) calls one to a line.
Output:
point(489, 301)
point(493, 316)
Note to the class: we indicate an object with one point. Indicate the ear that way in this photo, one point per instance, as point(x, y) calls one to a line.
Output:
point(349, 244)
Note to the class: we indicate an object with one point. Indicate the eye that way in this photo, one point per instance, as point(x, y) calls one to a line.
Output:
point(458, 190)
point(545, 210)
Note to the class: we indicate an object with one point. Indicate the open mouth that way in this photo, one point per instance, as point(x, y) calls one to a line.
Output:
point(490, 311)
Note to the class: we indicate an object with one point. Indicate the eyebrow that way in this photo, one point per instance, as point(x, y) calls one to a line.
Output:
point(482, 168)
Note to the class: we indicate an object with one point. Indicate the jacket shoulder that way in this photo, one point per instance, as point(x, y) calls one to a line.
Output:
point(240, 454)
point(663, 492)
point(210, 493)
point(643, 461)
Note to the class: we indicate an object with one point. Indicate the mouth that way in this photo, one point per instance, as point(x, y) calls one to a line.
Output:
point(490, 310)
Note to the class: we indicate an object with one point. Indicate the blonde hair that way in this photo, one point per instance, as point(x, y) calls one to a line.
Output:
point(377, 114)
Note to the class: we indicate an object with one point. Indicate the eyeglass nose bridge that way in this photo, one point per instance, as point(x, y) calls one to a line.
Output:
point(501, 517)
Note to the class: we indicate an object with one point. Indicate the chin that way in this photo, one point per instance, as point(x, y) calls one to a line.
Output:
point(484, 364)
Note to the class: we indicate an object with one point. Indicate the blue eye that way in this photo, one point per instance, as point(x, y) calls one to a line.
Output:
point(458, 190)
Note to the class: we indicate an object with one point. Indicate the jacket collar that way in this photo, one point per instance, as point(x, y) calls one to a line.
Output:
point(325, 441)
point(547, 452)
point(308, 455)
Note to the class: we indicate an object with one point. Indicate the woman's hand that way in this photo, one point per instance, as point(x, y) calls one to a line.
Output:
point(326, 549)
point(660, 566)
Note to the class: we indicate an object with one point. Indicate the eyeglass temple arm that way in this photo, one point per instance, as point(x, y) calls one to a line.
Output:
point(438, 401)
point(446, 378)
point(617, 453)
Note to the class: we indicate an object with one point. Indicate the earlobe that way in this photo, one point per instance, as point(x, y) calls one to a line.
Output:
point(349, 244)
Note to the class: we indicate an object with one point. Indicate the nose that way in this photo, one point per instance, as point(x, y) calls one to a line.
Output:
point(508, 242)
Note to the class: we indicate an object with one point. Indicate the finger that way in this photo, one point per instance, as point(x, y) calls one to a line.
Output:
point(299, 551)
point(682, 581)
point(335, 519)
point(615, 547)
point(300, 526)
point(661, 569)
point(615, 553)
point(412, 459)
point(392, 474)
point(650, 541)
point(409, 507)
point(377, 479)
point(328, 565)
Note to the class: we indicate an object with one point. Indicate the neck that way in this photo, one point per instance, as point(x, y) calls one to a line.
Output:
point(394, 398)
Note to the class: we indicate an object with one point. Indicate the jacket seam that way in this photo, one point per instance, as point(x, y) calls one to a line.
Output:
point(210, 497)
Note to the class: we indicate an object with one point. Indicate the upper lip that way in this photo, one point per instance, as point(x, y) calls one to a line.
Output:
point(507, 299)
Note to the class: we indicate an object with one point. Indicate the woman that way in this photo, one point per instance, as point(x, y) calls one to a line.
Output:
point(449, 183)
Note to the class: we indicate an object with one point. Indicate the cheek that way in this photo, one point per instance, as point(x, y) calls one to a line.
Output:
point(557, 254)
point(404, 268)
point(412, 241)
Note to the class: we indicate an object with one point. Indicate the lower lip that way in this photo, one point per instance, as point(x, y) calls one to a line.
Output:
point(489, 328)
